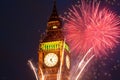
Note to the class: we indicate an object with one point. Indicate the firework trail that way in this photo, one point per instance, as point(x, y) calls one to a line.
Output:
point(33, 68)
point(60, 69)
point(90, 26)
point(42, 73)
point(83, 67)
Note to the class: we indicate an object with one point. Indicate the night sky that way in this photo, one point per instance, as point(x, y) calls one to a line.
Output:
point(22, 22)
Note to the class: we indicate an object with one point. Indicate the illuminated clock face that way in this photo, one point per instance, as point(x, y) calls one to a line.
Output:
point(51, 59)
point(68, 62)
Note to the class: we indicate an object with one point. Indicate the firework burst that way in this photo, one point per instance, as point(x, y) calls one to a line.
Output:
point(88, 26)
point(90, 31)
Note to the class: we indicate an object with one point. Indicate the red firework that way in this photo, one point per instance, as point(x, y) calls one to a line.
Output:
point(87, 26)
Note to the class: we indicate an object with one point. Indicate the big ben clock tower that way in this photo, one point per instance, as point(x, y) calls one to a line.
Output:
point(54, 54)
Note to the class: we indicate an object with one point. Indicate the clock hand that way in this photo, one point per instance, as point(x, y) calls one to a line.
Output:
point(51, 60)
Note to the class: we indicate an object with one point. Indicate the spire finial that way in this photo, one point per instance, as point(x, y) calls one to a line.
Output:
point(54, 1)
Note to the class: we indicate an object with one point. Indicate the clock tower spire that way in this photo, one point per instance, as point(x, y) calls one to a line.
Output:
point(54, 26)
point(54, 53)
point(54, 19)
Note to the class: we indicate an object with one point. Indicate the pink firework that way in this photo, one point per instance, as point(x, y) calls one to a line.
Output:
point(88, 26)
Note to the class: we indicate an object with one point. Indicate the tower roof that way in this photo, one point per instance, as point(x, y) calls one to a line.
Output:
point(54, 16)
point(54, 27)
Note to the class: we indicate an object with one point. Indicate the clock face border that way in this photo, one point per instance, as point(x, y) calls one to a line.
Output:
point(67, 61)
point(55, 64)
